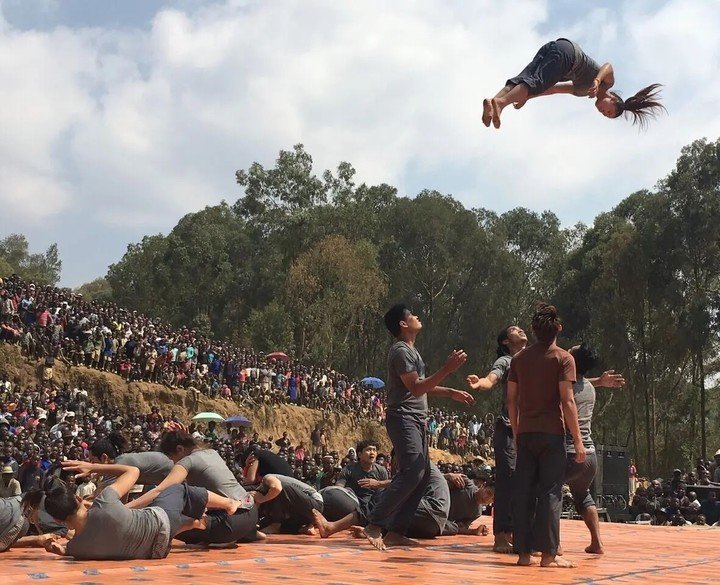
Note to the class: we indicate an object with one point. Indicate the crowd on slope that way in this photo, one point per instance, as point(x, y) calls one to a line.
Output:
point(54, 325)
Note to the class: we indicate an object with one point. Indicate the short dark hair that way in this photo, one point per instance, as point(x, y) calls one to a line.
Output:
point(502, 349)
point(545, 323)
point(393, 318)
point(364, 444)
point(585, 359)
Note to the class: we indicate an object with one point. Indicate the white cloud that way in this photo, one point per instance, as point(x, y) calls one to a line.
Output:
point(138, 126)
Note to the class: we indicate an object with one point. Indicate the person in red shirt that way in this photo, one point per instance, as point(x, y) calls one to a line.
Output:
point(541, 404)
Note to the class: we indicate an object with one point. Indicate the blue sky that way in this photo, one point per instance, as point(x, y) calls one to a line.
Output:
point(119, 117)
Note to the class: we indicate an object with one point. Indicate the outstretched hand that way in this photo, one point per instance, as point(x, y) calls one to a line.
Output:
point(473, 381)
point(462, 397)
point(610, 379)
point(81, 468)
point(455, 360)
point(172, 425)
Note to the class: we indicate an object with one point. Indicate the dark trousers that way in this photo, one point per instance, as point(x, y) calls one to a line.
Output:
point(537, 506)
point(504, 446)
point(396, 507)
point(223, 529)
point(182, 502)
point(579, 476)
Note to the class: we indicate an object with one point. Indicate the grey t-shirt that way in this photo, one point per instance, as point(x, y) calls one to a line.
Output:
point(403, 359)
point(436, 499)
point(501, 368)
point(462, 502)
point(293, 490)
point(353, 473)
point(13, 524)
point(154, 467)
point(207, 469)
point(115, 532)
point(584, 71)
point(585, 402)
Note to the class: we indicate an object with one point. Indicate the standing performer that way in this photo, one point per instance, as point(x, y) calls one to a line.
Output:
point(562, 67)
point(541, 404)
point(579, 476)
point(510, 341)
point(408, 389)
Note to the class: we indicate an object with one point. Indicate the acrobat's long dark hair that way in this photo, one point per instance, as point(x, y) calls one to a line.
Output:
point(641, 107)
point(503, 349)
point(113, 445)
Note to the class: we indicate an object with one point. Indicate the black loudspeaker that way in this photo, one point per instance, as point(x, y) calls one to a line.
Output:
point(611, 488)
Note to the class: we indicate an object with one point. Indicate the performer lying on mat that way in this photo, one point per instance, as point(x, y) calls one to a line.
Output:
point(105, 529)
point(562, 67)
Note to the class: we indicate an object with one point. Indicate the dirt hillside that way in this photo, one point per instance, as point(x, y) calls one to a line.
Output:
point(140, 396)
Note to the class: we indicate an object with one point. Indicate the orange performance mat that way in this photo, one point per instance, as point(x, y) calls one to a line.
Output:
point(634, 554)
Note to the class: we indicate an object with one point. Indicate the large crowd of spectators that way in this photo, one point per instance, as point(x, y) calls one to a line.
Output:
point(54, 325)
point(686, 498)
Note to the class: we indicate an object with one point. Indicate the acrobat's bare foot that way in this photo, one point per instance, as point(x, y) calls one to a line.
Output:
point(559, 553)
point(374, 535)
point(496, 110)
point(357, 531)
point(259, 536)
point(396, 539)
point(524, 560)
point(308, 530)
point(487, 112)
point(595, 549)
point(502, 544)
point(556, 562)
point(321, 524)
point(481, 530)
point(232, 507)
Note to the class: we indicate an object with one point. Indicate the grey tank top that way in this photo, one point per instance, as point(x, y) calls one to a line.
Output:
point(583, 72)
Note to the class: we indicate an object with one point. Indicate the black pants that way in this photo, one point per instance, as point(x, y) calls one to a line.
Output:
point(579, 476)
point(338, 502)
point(425, 526)
point(537, 506)
point(551, 64)
point(505, 456)
point(182, 502)
point(223, 529)
point(400, 500)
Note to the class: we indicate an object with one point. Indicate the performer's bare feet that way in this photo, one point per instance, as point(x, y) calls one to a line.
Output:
point(487, 112)
point(524, 560)
point(502, 544)
point(396, 539)
point(321, 524)
point(193, 524)
point(595, 548)
point(374, 535)
point(537, 553)
point(554, 561)
point(308, 530)
point(496, 109)
point(232, 507)
point(357, 531)
point(475, 528)
point(259, 536)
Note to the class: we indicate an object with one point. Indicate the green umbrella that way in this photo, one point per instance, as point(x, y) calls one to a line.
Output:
point(207, 417)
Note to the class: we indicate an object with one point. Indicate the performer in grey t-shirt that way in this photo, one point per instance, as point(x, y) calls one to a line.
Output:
point(579, 476)
point(408, 389)
point(105, 529)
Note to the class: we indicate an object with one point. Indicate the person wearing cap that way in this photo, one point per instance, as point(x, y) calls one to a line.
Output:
point(9, 486)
